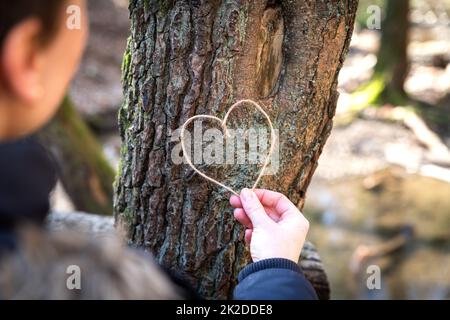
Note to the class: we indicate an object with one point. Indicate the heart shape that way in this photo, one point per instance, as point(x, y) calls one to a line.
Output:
point(223, 124)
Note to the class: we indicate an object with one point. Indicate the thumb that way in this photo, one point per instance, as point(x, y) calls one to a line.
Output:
point(253, 207)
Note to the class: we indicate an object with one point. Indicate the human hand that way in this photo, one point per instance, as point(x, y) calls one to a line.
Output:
point(275, 228)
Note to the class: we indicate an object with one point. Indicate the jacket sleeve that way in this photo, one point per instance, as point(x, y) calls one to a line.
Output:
point(273, 279)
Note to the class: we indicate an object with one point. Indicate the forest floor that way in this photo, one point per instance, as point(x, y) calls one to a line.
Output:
point(378, 137)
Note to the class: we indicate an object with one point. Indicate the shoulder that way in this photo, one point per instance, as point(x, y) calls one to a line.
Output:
point(107, 269)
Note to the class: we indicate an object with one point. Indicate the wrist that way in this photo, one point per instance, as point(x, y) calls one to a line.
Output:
point(270, 263)
point(277, 256)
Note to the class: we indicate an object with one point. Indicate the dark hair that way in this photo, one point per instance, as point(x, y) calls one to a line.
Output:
point(15, 11)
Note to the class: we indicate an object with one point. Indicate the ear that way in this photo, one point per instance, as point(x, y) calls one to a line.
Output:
point(21, 61)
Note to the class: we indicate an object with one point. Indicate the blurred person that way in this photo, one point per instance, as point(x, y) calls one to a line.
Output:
point(39, 55)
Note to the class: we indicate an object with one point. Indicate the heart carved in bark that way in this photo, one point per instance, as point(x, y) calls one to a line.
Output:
point(223, 123)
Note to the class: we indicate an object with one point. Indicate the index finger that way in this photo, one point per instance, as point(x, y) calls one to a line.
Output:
point(278, 201)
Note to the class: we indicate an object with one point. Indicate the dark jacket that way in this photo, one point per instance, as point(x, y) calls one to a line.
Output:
point(273, 279)
point(27, 176)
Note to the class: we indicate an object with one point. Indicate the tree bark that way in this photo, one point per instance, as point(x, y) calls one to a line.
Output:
point(86, 175)
point(198, 57)
point(392, 60)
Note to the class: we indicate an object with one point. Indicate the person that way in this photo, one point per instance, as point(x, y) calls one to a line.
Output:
point(276, 231)
point(39, 55)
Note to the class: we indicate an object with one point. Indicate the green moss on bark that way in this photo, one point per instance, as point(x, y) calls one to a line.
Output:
point(84, 171)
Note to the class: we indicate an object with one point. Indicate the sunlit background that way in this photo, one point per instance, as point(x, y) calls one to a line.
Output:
point(381, 193)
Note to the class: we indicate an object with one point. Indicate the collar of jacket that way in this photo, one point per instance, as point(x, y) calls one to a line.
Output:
point(27, 176)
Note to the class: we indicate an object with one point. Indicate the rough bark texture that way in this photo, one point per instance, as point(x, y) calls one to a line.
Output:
point(85, 174)
point(197, 57)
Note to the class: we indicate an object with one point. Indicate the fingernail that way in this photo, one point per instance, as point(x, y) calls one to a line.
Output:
point(246, 194)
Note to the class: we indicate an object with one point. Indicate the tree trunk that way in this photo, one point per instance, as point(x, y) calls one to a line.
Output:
point(198, 57)
point(85, 174)
point(392, 60)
